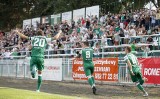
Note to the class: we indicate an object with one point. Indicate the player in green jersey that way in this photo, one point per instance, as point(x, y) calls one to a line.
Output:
point(39, 43)
point(134, 70)
point(87, 55)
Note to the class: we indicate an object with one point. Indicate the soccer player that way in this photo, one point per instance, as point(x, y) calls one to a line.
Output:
point(39, 43)
point(87, 55)
point(134, 70)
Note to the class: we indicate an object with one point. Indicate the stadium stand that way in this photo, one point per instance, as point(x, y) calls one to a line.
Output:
point(110, 33)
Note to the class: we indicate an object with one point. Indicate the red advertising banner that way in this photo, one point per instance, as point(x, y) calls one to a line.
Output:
point(105, 69)
point(151, 69)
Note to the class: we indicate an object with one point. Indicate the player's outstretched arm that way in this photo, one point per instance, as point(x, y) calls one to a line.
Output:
point(21, 35)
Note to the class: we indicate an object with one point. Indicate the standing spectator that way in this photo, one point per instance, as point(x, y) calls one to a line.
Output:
point(126, 35)
point(147, 22)
point(116, 38)
point(133, 46)
point(150, 41)
point(7, 54)
point(153, 21)
point(132, 32)
point(88, 23)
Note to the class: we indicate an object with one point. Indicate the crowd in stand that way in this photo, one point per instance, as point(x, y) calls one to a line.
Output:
point(107, 30)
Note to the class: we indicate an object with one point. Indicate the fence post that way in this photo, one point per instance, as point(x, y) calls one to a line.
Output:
point(119, 69)
point(63, 59)
point(1, 70)
point(8, 68)
point(24, 70)
point(16, 69)
point(102, 49)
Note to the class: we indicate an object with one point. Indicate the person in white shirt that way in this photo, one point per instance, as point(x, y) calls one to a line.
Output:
point(153, 21)
point(135, 16)
point(126, 35)
point(7, 54)
point(132, 31)
point(83, 29)
point(116, 38)
point(72, 38)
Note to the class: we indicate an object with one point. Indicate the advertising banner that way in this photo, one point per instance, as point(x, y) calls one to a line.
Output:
point(78, 14)
point(92, 11)
point(35, 22)
point(27, 24)
point(67, 17)
point(55, 19)
point(105, 69)
point(151, 69)
point(52, 69)
point(45, 19)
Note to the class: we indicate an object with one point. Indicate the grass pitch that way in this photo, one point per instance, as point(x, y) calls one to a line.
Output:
point(10, 93)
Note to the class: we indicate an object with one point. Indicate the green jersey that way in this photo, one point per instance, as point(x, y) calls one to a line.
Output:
point(133, 47)
point(87, 55)
point(39, 44)
point(132, 58)
point(135, 68)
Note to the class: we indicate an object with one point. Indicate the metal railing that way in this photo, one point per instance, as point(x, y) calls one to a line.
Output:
point(14, 68)
point(20, 68)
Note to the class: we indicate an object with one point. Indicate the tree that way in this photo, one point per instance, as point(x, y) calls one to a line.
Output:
point(13, 12)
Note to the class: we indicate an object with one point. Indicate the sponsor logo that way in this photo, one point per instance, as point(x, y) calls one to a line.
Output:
point(53, 68)
point(152, 71)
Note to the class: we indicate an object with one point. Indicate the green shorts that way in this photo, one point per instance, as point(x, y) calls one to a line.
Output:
point(138, 75)
point(38, 62)
point(89, 69)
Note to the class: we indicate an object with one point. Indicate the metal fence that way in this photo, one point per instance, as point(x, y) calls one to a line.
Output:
point(14, 68)
point(19, 68)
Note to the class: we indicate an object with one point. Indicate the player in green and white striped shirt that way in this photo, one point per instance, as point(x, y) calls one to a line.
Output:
point(134, 70)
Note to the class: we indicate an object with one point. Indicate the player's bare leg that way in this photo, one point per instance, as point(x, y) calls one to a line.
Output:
point(39, 81)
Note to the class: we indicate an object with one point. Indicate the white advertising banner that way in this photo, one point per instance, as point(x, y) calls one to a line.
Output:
point(92, 11)
point(67, 16)
point(45, 19)
point(78, 14)
point(26, 24)
point(52, 69)
point(55, 19)
point(35, 22)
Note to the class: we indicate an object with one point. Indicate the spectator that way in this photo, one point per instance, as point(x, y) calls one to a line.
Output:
point(7, 54)
point(116, 38)
point(133, 46)
point(150, 41)
point(110, 28)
